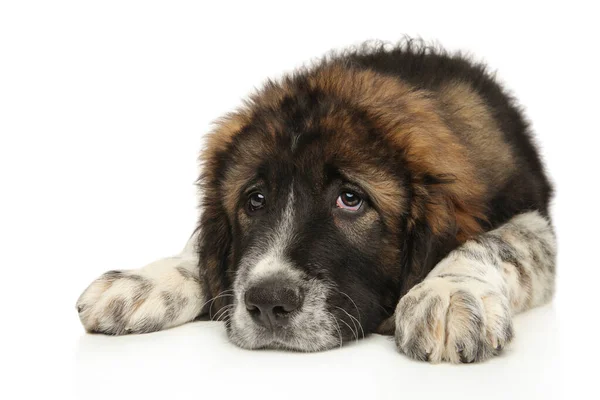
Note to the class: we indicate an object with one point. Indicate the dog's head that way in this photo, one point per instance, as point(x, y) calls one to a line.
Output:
point(324, 200)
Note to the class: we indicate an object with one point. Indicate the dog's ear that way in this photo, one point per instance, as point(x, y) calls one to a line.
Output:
point(214, 249)
point(439, 221)
point(215, 236)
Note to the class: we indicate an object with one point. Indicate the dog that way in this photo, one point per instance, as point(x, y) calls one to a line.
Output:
point(382, 189)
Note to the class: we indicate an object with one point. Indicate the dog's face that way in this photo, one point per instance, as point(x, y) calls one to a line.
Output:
point(312, 252)
point(311, 218)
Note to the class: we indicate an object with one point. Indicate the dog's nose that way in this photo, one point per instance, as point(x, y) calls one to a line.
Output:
point(271, 304)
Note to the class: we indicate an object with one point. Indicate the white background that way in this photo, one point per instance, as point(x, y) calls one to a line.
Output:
point(102, 110)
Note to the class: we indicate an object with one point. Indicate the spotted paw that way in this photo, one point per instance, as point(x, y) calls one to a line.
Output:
point(455, 319)
point(141, 301)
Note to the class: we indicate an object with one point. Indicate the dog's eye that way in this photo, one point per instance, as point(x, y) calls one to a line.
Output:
point(349, 201)
point(256, 201)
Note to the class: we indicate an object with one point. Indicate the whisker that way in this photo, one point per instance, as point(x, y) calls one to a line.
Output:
point(338, 327)
point(226, 319)
point(350, 298)
point(219, 311)
point(351, 319)
point(358, 320)
point(359, 324)
point(224, 312)
point(351, 330)
point(211, 306)
point(216, 297)
point(212, 301)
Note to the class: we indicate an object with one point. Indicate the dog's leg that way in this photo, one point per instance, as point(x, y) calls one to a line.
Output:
point(163, 294)
point(462, 311)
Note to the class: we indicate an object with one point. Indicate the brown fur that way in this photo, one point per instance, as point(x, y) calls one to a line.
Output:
point(413, 123)
point(446, 135)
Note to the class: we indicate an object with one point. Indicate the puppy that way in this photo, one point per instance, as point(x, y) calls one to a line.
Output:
point(389, 190)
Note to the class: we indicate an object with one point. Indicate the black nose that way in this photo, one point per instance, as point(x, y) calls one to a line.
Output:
point(272, 303)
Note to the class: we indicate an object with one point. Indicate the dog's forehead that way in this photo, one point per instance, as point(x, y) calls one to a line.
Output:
point(283, 142)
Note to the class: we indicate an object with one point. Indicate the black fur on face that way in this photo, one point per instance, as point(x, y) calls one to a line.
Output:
point(301, 200)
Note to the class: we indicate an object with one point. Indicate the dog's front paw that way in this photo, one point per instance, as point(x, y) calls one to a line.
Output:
point(120, 302)
point(452, 319)
point(164, 294)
